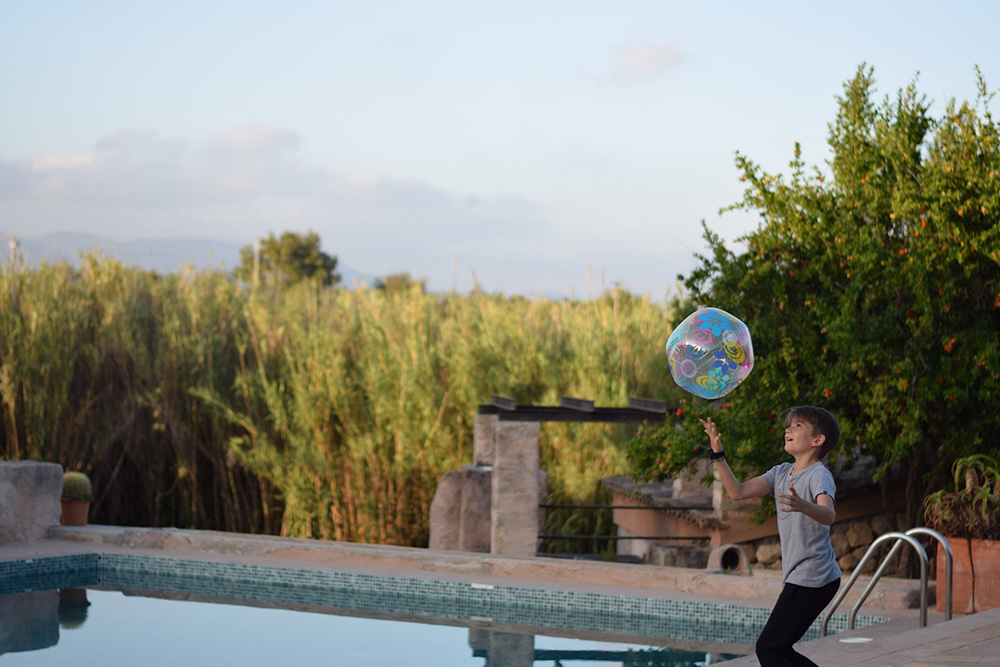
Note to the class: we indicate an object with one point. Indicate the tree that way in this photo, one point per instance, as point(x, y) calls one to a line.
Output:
point(874, 292)
point(399, 282)
point(286, 261)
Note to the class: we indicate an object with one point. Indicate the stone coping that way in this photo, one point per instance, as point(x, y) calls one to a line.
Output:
point(896, 596)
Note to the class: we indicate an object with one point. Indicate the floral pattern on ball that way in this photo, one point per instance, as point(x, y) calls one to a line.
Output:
point(710, 353)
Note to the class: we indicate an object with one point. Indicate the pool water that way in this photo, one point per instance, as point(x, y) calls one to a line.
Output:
point(114, 629)
point(208, 612)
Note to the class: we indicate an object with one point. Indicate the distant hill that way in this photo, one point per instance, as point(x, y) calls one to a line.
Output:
point(163, 255)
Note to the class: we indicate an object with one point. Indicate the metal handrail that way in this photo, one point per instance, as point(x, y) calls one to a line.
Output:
point(948, 560)
point(919, 530)
point(897, 536)
point(948, 557)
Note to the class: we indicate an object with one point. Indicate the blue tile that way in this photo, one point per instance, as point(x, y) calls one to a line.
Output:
point(616, 614)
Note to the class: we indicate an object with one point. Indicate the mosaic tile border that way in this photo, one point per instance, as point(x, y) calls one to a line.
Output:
point(614, 614)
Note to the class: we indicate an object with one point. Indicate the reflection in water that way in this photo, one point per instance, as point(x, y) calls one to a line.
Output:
point(72, 607)
point(505, 649)
point(30, 622)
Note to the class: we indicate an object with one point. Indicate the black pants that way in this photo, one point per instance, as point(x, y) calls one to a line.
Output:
point(797, 607)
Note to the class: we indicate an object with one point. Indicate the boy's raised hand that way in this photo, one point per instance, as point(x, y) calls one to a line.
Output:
point(714, 439)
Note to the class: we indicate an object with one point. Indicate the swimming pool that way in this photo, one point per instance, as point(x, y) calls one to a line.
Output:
point(126, 630)
point(501, 616)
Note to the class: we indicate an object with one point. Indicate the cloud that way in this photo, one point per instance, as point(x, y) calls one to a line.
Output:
point(62, 161)
point(256, 141)
point(249, 181)
point(398, 219)
point(638, 59)
point(252, 180)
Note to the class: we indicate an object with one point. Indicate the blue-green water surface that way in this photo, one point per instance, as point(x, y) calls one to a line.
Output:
point(250, 614)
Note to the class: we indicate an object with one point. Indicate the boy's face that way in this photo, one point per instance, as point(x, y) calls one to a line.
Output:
point(801, 437)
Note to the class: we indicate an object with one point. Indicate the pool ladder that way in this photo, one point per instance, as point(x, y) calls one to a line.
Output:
point(899, 539)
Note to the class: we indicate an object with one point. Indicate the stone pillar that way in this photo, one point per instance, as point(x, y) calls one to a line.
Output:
point(484, 429)
point(30, 495)
point(515, 497)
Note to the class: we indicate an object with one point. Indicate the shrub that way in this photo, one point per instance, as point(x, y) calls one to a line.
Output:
point(970, 511)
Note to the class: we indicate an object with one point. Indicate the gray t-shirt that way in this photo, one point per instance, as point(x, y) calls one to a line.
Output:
point(807, 557)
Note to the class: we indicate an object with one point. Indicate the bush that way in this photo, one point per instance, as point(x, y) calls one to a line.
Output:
point(871, 287)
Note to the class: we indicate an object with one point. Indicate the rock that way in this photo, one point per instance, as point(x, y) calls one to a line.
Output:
point(847, 562)
point(872, 562)
point(768, 553)
point(859, 534)
point(840, 544)
point(880, 524)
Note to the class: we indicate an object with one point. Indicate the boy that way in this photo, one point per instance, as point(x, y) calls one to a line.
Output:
point(804, 491)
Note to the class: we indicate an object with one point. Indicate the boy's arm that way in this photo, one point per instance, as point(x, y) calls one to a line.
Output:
point(754, 487)
point(822, 511)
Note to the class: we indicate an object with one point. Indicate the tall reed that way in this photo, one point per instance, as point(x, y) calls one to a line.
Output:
point(327, 413)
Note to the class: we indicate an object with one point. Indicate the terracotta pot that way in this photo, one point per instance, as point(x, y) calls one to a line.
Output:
point(975, 575)
point(74, 512)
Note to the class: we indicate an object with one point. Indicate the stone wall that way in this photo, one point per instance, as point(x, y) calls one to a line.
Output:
point(674, 556)
point(29, 499)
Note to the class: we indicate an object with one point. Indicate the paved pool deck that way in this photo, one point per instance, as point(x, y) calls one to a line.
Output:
point(973, 639)
point(965, 640)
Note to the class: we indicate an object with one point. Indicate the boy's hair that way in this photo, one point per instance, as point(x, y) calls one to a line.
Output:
point(822, 421)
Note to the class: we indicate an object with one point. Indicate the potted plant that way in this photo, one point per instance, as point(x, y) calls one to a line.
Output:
point(969, 516)
point(77, 495)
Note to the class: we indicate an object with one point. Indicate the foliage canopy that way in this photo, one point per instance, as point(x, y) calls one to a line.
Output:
point(286, 261)
point(399, 282)
point(874, 292)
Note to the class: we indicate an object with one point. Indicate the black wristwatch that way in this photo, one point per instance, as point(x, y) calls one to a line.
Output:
point(715, 456)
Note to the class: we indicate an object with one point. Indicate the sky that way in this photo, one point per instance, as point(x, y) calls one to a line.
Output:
point(536, 148)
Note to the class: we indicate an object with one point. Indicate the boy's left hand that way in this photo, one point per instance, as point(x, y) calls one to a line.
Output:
point(822, 511)
point(792, 501)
